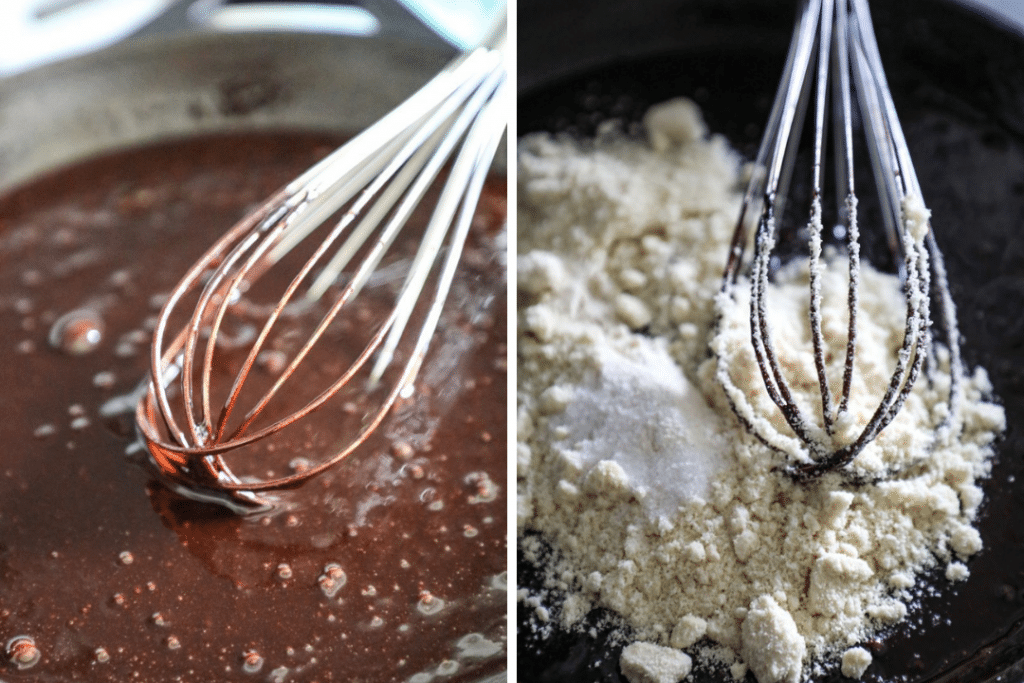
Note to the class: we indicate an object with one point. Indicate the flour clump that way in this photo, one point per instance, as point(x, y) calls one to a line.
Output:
point(772, 647)
point(649, 663)
point(638, 489)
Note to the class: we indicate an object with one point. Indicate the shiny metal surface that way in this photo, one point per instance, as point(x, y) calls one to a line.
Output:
point(182, 84)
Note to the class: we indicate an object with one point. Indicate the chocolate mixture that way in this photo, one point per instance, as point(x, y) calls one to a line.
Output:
point(390, 567)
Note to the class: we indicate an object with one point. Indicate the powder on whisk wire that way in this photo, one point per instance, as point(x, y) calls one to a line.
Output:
point(680, 523)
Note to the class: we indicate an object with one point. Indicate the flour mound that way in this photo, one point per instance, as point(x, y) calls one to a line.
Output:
point(633, 470)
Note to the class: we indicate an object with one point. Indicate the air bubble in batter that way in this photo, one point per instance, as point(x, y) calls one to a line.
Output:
point(429, 604)
point(332, 580)
point(252, 662)
point(78, 332)
point(22, 652)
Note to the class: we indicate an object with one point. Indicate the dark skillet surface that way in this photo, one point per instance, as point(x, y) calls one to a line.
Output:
point(958, 83)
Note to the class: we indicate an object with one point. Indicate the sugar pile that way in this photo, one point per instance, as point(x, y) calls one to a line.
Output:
point(671, 459)
point(633, 469)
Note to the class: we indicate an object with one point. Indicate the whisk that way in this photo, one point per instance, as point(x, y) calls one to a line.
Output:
point(377, 179)
point(834, 46)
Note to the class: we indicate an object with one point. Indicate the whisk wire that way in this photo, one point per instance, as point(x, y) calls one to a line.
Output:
point(469, 172)
point(846, 199)
point(473, 168)
point(409, 163)
point(377, 179)
point(847, 55)
point(447, 205)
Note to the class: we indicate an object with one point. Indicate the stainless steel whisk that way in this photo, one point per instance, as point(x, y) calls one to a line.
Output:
point(378, 178)
point(833, 46)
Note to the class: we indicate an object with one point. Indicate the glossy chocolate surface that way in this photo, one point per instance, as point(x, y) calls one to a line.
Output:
point(390, 567)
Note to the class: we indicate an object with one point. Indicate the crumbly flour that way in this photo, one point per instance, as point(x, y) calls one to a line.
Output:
point(633, 469)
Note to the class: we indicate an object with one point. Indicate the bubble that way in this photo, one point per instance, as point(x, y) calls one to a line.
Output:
point(104, 380)
point(22, 652)
point(31, 278)
point(376, 622)
point(120, 278)
point(486, 491)
point(135, 337)
point(429, 604)
point(284, 571)
point(469, 531)
point(44, 430)
point(252, 661)
point(101, 655)
point(402, 450)
point(273, 361)
point(332, 580)
point(125, 557)
point(300, 464)
point(78, 332)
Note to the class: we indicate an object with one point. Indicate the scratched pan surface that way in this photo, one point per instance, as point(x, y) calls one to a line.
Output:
point(958, 83)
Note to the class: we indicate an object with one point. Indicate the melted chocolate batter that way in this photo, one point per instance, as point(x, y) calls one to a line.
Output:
point(390, 567)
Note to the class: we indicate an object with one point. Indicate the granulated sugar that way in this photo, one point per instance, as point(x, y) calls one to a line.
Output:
point(633, 469)
point(671, 460)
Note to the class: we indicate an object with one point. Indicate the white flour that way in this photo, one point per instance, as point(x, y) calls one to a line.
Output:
point(631, 466)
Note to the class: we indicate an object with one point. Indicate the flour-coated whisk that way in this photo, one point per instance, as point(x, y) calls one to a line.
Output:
point(834, 46)
point(451, 125)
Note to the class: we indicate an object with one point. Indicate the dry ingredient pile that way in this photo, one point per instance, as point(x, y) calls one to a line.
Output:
point(632, 469)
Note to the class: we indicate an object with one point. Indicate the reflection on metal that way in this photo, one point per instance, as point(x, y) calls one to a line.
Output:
point(307, 17)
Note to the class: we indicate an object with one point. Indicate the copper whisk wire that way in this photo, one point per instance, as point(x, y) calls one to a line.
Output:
point(378, 178)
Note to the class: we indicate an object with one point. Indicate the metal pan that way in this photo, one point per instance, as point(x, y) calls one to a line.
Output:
point(185, 79)
point(180, 77)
